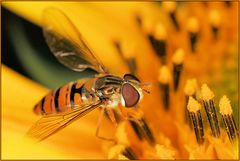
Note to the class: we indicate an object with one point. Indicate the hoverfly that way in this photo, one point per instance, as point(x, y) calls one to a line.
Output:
point(70, 102)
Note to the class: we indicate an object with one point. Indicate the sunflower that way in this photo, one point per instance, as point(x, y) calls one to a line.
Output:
point(185, 51)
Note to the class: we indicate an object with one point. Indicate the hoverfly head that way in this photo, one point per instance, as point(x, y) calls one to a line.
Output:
point(131, 91)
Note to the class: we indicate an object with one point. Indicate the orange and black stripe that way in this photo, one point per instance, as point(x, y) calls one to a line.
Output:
point(61, 99)
point(75, 94)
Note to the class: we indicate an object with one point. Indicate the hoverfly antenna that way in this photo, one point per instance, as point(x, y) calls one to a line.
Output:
point(148, 92)
point(146, 85)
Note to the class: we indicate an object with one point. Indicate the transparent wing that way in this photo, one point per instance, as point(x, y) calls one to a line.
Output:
point(67, 44)
point(50, 124)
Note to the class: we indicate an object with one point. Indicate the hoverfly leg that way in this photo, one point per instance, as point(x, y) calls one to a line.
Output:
point(99, 126)
point(112, 117)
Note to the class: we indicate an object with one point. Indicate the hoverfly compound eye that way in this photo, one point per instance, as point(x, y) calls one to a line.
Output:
point(130, 95)
point(130, 77)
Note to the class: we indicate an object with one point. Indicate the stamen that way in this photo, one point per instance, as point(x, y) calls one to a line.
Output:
point(193, 29)
point(170, 7)
point(226, 112)
point(190, 89)
point(178, 58)
point(215, 20)
point(158, 41)
point(193, 105)
point(129, 153)
point(137, 129)
point(160, 32)
point(128, 53)
point(120, 150)
point(164, 79)
point(141, 128)
point(132, 65)
point(128, 49)
point(148, 27)
point(225, 106)
point(147, 132)
point(164, 75)
point(207, 96)
point(196, 118)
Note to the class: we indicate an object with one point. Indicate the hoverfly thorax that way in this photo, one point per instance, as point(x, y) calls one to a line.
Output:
point(108, 88)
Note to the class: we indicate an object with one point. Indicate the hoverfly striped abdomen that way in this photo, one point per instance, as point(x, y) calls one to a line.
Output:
point(76, 94)
point(64, 98)
point(46, 105)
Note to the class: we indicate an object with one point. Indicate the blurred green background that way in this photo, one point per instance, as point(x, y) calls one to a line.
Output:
point(24, 50)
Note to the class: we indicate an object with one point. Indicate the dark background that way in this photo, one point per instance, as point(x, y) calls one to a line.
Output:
point(47, 71)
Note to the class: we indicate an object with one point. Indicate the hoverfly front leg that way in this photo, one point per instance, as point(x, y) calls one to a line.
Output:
point(112, 116)
point(99, 126)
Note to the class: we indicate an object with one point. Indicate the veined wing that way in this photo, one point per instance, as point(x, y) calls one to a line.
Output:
point(67, 44)
point(50, 124)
